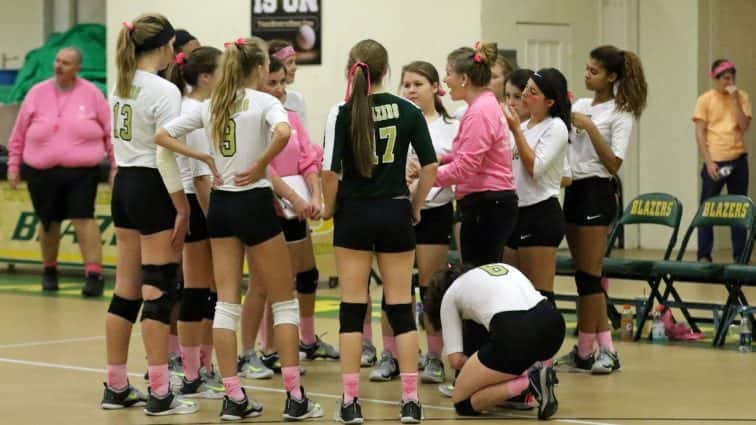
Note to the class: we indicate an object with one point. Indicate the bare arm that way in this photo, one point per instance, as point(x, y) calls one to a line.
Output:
point(741, 118)
point(603, 150)
point(711, 167)
point(427, 176)
point(330, 189)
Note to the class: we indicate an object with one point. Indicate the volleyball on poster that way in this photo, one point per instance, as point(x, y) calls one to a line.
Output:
point(297, 21)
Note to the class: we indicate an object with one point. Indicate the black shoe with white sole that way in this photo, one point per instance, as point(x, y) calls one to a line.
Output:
point(542, 381)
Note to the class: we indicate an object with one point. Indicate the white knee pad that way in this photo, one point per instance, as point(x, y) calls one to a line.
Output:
point(286, 312)
point(227, 316)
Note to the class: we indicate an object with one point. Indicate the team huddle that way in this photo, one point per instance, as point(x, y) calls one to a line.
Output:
point(215, 167)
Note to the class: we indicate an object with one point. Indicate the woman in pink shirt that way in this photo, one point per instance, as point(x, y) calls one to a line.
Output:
point(62, 133)
point(480, 164)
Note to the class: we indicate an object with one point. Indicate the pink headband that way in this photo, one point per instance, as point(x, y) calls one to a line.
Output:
point(722, 67)
point(284, 53)
point(239, 42)
point(350, 77)
point(129, 26)
point(180, 59)
point(476, 57)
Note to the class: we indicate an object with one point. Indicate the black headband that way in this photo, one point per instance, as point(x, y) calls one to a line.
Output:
point(158, 40)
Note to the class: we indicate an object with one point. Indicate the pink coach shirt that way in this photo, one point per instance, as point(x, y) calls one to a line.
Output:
point(481, 158)
point(66, 128)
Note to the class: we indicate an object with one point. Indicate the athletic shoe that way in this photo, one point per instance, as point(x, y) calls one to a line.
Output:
point(542, 381)
point(411, 412)
point(319, 350)
point(93, 285)
point(523, 401)
point(171, 404)
point(273, 362)
point(175, 364)
point(299, 410)
point(349, 413)
point(446, 390)
point(422, 360)
point(127, 397)
point(572, 362)
point(434, 371)
point(238, 410)
point(212, 379)
point(50, 279)
point(200, 389)
point(606, 362)
point(386, 369)
point(250, 366)
point(368, 357)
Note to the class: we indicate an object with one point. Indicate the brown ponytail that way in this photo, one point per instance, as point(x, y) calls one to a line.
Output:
point(632, 89)
point(132, 36)
point(475, 63)
point(370, 62)
point(187, 69)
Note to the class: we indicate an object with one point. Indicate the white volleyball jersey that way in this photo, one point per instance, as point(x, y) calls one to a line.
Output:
point(442, 132)
point(248, 133)
point(481, 293)
point(295, 102)
point(197, 140)
point(151, 104)
point(615, 128)
point(548, 139)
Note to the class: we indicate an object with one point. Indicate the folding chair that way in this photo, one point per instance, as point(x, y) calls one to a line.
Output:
point(736, 276)
point(727, 210)
point(654, 209)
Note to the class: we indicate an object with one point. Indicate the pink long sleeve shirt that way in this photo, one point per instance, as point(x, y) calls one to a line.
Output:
point(68, 128)
point(481, 158)
point(299, 157)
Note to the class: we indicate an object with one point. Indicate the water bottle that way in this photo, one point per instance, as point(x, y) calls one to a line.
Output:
point(658, 333)
point(746, 337)
point(725, 170)
point(626, 323)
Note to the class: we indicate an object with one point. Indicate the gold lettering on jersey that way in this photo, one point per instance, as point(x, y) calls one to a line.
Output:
point(240, 106)
point(725, 209)
point(651, 208)
point(385, 112)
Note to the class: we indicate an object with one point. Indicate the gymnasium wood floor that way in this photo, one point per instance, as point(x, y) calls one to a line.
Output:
point(52, 360)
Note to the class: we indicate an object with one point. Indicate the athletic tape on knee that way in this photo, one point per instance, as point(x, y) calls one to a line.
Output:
point(158, 309)
point(588, 284)
point(227, 316)
point(307, 282)
point(193, 304)
point(126, 309)
point(351, 317)
point(212, 299)
point(400, 318)
point(464, 408)
point(286, 312)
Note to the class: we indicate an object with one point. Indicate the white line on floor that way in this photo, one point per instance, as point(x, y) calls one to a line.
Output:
point(52, 342)
point(275, 390)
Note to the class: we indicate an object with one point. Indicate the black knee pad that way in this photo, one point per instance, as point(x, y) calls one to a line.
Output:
point(464, 408)
point(193, 304)
point(400, 318)
point(127, 309)
point(163, 276)
point(351, 317)
point(588, 284)
point(212, 299)
point(159, 309)
point(307, 282)
point(549, 296)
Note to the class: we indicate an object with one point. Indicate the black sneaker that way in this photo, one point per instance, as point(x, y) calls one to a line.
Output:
point(542, 381)
point(298, 410)
point(50, 279)
point(171, 404)
point(93, 286)
point(411, 412)
point(349, 413)
point(272, 361)
point(319, 350)
point(201, 389)
point(127, 397)
point(238, 410)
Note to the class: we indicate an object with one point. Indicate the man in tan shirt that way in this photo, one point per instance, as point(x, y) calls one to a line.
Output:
point(722, 116)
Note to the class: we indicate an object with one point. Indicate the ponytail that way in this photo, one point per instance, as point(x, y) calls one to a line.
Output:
point(475, 63)
point(145, 34)
point(125, 61)
point(631, 88)
point(186, 69)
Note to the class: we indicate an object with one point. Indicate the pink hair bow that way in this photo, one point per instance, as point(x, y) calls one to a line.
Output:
point(476, 57)
point(350, 77)
point(238, 42)
point(441, 92)
point(129, 26)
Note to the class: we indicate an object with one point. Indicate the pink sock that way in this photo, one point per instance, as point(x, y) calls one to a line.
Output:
point(585, 344)
point(351, 382)
point(291, 381)
point(190, 357)
point(605, 341)
point(173, 344)
point(159, 379)
point(409, 386)
point(435, 345)
point(93, 268)
point(117, 376)
point(389, 344)
point(53, 264)
point(605, 284)
point(516, 386)
point(233, 388)
point(307, 329)
point(367, 331)
point(206, 357)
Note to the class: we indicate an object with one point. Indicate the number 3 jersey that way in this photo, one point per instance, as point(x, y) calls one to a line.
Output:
point(152, 103)
point(481, 293)
point(247, 134)
point(397, 124)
